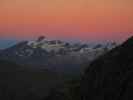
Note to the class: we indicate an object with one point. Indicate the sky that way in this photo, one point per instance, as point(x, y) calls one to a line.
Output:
point(92, 20)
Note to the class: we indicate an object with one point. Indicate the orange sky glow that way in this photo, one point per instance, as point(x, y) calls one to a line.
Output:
point(83, 19)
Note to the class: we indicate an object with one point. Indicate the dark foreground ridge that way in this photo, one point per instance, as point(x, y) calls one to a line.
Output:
point(110, 77)
point(19, 83)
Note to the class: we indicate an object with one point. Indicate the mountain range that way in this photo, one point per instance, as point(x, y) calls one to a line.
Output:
point(55, 55)
point(108, 76)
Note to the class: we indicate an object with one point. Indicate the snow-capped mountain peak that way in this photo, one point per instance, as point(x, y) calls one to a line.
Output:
point(53, 53)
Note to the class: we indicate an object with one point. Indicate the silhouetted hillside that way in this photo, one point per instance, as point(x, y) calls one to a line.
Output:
point(19, 83)
point(110, 77)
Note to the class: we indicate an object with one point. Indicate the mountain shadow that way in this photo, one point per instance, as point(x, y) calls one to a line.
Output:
point(19, 83)
point(110, 77)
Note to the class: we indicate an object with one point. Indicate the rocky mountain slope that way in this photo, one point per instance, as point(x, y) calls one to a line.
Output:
point(56, 55)
point(110, 77)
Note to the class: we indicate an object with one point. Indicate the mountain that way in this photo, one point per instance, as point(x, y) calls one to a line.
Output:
point(21, 83)
point(4, 43)
point(110, 76)
point(0, 50)
point(55, 55)
point(36, 70)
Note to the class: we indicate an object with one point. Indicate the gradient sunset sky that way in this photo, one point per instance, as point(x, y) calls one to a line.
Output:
point(81, 19)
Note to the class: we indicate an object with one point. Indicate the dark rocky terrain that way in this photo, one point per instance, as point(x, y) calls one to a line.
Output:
point(110, 76)
point(20, 83)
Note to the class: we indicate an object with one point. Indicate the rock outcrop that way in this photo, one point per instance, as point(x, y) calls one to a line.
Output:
point(110, 77)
